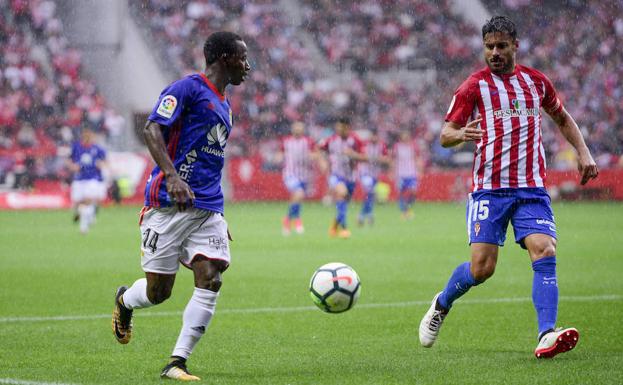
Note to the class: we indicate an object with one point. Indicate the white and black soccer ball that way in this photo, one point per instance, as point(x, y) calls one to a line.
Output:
point(335, 287)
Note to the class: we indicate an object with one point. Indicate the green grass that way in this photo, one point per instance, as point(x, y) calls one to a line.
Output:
point(48, 269)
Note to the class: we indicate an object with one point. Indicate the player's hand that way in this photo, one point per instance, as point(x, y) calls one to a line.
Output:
point(349, 152)
point(471, 132)
point(179, 191)
point(587, 167)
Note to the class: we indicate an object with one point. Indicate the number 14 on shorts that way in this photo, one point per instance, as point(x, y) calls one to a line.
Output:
point(150, 240)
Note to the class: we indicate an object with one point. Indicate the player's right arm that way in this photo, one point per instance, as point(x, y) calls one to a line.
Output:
point(166, 113)
point(72, 162)
point(178, 190)
point(453, 134)
point(457, 130)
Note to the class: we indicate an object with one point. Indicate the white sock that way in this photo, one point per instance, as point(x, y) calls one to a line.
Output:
point(136, 296)
point(196, 319)
point(91, 214)
point(83, 213)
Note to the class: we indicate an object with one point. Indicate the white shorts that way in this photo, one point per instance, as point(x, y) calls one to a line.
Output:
point(170, 237)
point(88, 189)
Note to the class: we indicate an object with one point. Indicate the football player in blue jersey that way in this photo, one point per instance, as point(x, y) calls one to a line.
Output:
point(87, 188)
point(182, 221)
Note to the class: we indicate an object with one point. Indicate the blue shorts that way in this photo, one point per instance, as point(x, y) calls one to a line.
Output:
point(334, 180)
point(368, 182)
point(407, 184)
point(528, 209)
point(294, 184)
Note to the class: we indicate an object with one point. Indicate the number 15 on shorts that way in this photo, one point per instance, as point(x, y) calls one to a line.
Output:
point(480, 210)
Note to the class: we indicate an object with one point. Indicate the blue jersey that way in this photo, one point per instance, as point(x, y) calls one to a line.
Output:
point(87, 156)
point(197, 121)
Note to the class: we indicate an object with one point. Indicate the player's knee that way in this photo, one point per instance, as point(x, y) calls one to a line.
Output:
point(158, 295)
point(341, 191)
point(212, 283)
point(543, 250)
point(483, 271)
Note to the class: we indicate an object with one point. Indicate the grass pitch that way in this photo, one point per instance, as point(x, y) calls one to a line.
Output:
point(57, 287)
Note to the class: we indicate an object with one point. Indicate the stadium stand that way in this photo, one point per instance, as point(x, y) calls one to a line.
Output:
point(44, 96)
point(368, 37)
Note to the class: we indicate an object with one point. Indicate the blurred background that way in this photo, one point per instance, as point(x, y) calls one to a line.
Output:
point(389, 65)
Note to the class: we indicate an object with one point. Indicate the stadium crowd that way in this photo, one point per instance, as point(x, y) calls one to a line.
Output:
point(44, 97)
point(576, 45)
point(371, 37)
point(389, 35)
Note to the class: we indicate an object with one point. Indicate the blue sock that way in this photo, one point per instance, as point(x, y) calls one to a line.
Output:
point(341, 207)
point(296, 210)
point(368, 204)
point(545, 292)
point(402, 203)
point(291, 211)
point(459, 283)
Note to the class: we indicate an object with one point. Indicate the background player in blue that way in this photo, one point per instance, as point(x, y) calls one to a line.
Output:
point(497, 197)
point(87, 188)
point(182, 221)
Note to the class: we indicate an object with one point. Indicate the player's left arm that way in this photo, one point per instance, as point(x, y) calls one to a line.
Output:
point(356, 153)
point(570, 130)
point(100, 162)
point(384, 159)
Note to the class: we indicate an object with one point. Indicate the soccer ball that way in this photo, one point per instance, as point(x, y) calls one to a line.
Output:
point(335, 287)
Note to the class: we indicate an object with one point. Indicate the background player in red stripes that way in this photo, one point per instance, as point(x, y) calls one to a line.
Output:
point(297, 154)
point(377, 159)
point(509, 179)
point(407, 166)
point(344, 149)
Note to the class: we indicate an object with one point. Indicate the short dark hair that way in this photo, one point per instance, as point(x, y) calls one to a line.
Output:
point(219, 43)
point(500, 24)
point(343, 119)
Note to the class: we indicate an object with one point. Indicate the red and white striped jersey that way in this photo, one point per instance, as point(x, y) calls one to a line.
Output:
point(297, 160)
point(405, 159)
point(374, 151)
point(336, 146)
point(510, 153)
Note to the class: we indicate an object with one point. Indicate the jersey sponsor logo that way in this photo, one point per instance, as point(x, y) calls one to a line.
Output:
point(550, 224)
point(516, 111)
point(218, 134)
point(213, 151)
point(167, 106)
point(217, 242)
point(191, 157)
point(86, 159)
point(186, 169)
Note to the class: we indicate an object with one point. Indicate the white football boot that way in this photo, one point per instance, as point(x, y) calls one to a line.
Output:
point(559, 341)
point(431, 323)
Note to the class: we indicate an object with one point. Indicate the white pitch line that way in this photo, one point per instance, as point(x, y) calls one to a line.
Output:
point(608, 297)
point(23, 382)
